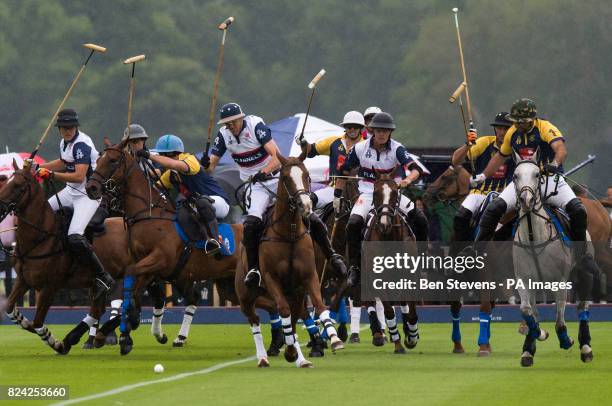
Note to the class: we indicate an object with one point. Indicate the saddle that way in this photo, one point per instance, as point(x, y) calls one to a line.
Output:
point(560, 220)
point(188, 228)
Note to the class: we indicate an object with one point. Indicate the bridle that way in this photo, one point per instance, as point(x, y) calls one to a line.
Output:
point(389, 210)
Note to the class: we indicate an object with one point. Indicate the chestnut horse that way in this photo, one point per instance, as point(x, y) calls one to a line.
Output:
point(287, 264)
point(388, 224)
point(154, 243)
point(43, 263)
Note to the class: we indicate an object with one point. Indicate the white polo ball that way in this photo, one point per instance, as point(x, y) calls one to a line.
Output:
point(158, 368)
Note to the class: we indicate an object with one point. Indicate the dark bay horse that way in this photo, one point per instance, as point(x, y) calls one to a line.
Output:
point(42, 261)
point(388, 224)
point(154, 243)
point(287, 264)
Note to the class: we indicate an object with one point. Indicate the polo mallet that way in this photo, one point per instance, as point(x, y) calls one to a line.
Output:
point(331, 238)
point(457, 95)
point(133, 60)
point(93, 48)
point(213, 104)
point(312, 85)
point(466, 88)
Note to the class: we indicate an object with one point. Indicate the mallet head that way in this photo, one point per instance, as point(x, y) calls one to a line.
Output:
point(225, 24)
point(455, 10)
point(95, 47)
point(134, 59)
point(316, 79)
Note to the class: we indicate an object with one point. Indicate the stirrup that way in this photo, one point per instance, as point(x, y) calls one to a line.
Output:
point(216, 246)
point(250, 276)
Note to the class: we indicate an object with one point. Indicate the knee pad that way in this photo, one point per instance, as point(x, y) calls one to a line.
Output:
point(463, 214)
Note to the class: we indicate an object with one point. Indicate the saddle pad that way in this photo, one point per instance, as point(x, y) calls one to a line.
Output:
point(228, 243)
point(562, 229)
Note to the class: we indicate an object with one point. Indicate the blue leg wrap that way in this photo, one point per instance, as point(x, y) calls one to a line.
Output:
point(128, 285)
point(456, 317)
point(311, 326)
point(343, 316)
point(584, 315)
point(534, 326)
point(485, 328)
point(275, 320)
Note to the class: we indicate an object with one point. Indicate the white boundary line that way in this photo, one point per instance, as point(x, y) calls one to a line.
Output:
point(137, 385)
point(156, 381)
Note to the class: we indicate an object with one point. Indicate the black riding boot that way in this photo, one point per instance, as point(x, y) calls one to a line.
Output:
point(84, 255)
point(462, 230)
point(253, 229)
point(420, 227)
point(354, 229)
point(208, 222)
point(490, 218)
point(318, 232)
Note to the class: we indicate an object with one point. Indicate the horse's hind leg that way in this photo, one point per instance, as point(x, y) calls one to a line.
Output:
point(42, 307)
point(565, 341)
point(159, 300)
point(19, 289)
point(248, 309)
point(284, 310)
point(455, 308)
point(484, 318)
point(378, 338)
point(95, 312)
point(392, 325)
point(584, 335)
point(410, 320)
point(190, 295)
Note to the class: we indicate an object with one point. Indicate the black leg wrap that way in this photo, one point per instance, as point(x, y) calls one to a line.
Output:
point(584, 335)
point(374, 323)
point(354, 229)
point(491, 216)
point(253, 230)
point(461, 230)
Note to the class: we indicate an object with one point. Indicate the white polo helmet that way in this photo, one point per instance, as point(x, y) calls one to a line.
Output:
point(353, 117)
point(370, 111)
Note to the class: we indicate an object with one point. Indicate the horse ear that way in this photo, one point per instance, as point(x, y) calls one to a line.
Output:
point(107, 142)
point(516, 157)
point(536, 155)
point(282, 159)
point(15, 166)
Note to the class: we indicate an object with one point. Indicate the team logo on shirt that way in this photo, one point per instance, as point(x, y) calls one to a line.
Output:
point(261, 133)
point(247, 135)
point(79, 154)
point(368, 154)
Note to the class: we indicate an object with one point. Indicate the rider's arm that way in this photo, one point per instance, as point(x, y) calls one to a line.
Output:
point(56, 165)
point(214, 160)
point(409, 165)
point(555, 139)
point(459, 155)
point(78, 176)
point(560, 152)
point(170, 163)
point(274, 163)
point(216, 152)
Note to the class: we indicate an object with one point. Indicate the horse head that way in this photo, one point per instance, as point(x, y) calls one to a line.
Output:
point(295, 180)
point(452, 184)
point(527, 179)
point(385, 201)
point(17, 194)
point(112, 169)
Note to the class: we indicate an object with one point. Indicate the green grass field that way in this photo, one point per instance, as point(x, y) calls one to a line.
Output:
point(361, 374)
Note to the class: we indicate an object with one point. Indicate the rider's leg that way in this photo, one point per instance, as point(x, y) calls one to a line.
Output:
point(323, 197)
point(354, 230)
point(84, 209)
point(494, 212)
point(318, 232)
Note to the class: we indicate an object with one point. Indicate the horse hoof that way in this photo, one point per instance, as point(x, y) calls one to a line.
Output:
point(378, 340)
point(178, 344)
point(336, 344)
point(399, 350)
point(543, 335)
point(291, 354)
point(111, 338)
point(89, 344)
point(125, 344)
point(567, 345)
point(316, 353)
point(63, 348)
point(162, 339)
point(410, 344)
point(523, 329)
point(354, 339)
point(483, 353)
point(586, 354)
point(263, 363)
point(100, 340)
point(273, 352)
point(526, 359)
point(458, 348)
point(306, 364)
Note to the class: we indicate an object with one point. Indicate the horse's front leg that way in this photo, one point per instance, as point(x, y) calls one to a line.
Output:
point(535, 332)
point(158, 296)
point(410, 320)
point(565, 341)
point(311, 283)
point(43, 303)
point(455, 308)
point(484, 317)
point(95, 312)
point(19, 289)
point(584, 335)
point(391, 321)
point(191, 297)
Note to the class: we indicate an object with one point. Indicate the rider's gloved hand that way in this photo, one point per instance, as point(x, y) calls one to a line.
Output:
point(260, 177)
point(552, 168)
point(44, 173)
point(337, 203)
point(477, 180)
point(205, 161)
point(471, 136)
point(143, 153)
